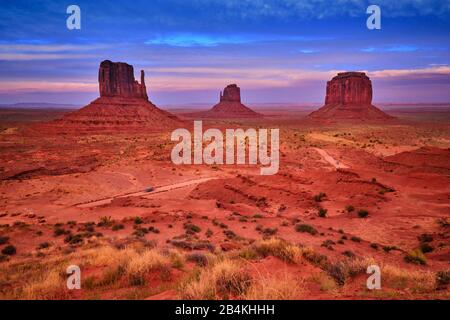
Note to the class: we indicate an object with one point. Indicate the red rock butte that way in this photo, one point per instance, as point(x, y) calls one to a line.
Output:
point(349, 97)
point(123, 104)
point(229, 106)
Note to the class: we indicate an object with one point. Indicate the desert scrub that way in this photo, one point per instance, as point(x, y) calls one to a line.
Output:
point(278, 248)
point(306, 228)
point(225, 279)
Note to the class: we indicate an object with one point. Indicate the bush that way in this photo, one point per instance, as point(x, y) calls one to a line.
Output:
point(43, 245)
point(9, 250)
point(198, 258)
point(138, 220)
point(323, 213)
point(426, 248)
point(319, 197)
point(389, 248)
point(374, 246)
point(425, 237)
point(443, 278)
point(3, 240)
point(105, 222)
point(350, 208)
point(117, 227)
point(59, 231)
point(355, 239)
point(416, 256)
point(191, 228)
point(306, 228)
point(363, 213)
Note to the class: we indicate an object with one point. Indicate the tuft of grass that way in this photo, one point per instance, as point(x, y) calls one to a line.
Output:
point(286, 287)
point(278, 248)
point(223, 280)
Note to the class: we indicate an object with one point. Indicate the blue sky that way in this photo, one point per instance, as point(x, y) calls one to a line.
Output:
point(277, 51)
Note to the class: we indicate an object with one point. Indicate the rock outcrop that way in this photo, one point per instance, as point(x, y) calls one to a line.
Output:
point(123, 104)
point(349, 97)
point(229, 106)
point(116, 79)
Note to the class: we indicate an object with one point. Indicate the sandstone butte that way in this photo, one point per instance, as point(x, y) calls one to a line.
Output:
point(349, 97)
point(229, 106)
point(123, 104)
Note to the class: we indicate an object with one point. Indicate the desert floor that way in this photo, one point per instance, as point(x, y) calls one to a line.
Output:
point(215, 232)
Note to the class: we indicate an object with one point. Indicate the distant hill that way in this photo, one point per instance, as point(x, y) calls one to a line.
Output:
point(39, 105)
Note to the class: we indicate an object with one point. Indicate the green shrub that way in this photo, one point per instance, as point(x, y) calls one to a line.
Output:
point(425, 237)
point(3, 240)
point(363, 213)
point(191, 228)
point(319, 197)
point(138, 220)
point(350, 208)
point(117, 227)
point(323, 212)
point(426, 248)
point(9, 250)
point(306, 228)
point(355, 239)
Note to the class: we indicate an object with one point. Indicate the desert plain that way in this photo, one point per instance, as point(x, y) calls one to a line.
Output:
point(347, 195)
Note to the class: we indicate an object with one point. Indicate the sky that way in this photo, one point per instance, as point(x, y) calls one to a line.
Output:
point(277, 51)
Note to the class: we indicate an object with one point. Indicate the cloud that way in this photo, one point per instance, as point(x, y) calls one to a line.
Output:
point(398, 48)
point(210, 40)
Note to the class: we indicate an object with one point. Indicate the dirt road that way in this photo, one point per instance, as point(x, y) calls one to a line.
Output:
point(335, 163)
point(157, 189)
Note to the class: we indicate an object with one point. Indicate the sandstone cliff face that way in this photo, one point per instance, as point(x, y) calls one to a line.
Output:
point(349, 97)
point(117, 79)
point(349, 88)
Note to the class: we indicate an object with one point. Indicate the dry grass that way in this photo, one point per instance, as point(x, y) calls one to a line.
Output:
point(279, 248)
point(225, 279)
point(416, 281)
point(50, 286)
point(286, 287)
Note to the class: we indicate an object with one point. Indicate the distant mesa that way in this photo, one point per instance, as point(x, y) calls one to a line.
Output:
point(123, 104)
point(349, 97)
point(229, 106)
